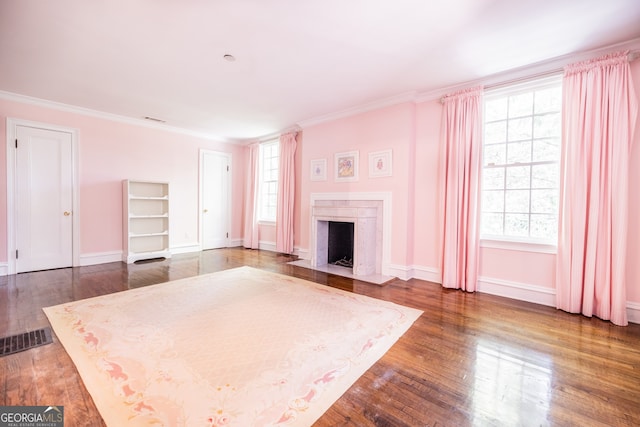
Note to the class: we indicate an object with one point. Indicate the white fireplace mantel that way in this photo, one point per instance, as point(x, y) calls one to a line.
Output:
point(352, 207)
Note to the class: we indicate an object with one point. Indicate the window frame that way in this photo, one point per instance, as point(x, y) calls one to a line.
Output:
point(504, 241)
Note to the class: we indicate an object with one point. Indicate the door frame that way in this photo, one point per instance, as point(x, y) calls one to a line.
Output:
point(12, 126)
point(229, 157)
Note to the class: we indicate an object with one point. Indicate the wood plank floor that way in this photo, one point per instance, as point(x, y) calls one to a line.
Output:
point(470, 360)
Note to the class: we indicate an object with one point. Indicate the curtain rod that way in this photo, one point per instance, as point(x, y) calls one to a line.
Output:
point(632, 56)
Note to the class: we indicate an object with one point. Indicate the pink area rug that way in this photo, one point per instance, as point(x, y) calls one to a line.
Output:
point(240, 347)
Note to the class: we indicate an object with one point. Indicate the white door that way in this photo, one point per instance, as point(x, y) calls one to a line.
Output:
point(215, 184)
point(44, 199)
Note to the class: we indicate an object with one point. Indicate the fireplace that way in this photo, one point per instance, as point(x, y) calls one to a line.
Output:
point(340, 244)
point(365, 215)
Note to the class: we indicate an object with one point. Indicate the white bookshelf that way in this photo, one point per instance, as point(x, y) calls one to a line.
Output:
point(145, 220)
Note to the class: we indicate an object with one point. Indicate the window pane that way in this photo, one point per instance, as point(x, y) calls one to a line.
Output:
point(546, 150)
point(548, 100)
point(495, 132)
point(544, 227)
point(493, 178)
point(519, 152)
point(495, 154)
point(493, 201)
point(547, 125)
point(544, 176)
point(495, 109)
point(517, 201)
point(518, 177)
point(520, 129)
point(492, 224)
point(521, 105)
point(544, 201)
point(516, 224)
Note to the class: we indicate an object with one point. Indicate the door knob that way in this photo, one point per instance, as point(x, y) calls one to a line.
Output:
point(67, 213)
point(206, 210)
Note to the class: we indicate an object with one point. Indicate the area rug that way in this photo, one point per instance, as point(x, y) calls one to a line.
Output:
point(241, 347)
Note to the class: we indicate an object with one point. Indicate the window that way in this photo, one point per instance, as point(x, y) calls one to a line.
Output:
point(521, 157)
point(268, 196)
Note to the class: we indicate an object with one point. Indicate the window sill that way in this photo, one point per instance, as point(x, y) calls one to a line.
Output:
point(270, 223)
point(519, 245)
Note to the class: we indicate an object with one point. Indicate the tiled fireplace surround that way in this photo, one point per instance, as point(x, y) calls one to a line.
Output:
point(370, 214)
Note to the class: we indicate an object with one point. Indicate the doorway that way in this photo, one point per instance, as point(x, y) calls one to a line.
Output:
point(215, 196)
point(42, 223)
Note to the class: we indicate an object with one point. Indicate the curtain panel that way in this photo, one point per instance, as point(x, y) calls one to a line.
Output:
point(460, 175)
point(599, 115)
point(286, 193)
point(251, 228)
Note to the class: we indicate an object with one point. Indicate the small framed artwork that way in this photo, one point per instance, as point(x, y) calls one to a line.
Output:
point(319, 170)
point(346, 166)
point(380, 164)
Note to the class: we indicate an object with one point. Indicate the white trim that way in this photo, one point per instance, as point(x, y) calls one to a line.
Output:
point(429, 274)
point(633, 312)
point(229, 158)
point(100, 258)
point(302, 253)
point(402, 272)
point(67, 108)
point(519, 291)
point(4, 269)
point(234, 243)
point(513, 245)
point(12, 125)
point(530, 71)
point(185, 249)
point(263, 245)
point(387, 210)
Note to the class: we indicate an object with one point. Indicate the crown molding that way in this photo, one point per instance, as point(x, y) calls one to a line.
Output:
point(375, 105)
point(531, 71)
point(44, 103)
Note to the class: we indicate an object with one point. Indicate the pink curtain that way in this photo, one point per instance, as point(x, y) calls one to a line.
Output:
point(286, 193)
point(599, 113)
point(251, 229)
point(460, 175)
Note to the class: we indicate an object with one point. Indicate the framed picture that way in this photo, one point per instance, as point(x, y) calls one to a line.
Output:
point(319, 170)
point(380, 164)
point(346, 166)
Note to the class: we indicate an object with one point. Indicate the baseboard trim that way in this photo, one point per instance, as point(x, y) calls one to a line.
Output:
point(4, 269)
point(267, 246)
point(302, 253)
point(633, 312)
point(100, 258)
point(519, 291)
point(185, 249)
point(234, 243)
point(429, 274)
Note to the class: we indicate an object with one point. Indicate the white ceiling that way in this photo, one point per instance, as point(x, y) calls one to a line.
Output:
point(295, 59)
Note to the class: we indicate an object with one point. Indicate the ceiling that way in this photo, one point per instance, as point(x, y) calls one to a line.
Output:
point(294, 60)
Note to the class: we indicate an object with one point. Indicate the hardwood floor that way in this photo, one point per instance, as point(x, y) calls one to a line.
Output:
point(470, 360)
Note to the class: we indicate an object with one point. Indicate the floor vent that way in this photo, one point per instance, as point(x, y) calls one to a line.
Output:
point(21, 342)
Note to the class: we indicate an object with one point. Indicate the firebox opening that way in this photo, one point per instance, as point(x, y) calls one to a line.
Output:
point(340, 251)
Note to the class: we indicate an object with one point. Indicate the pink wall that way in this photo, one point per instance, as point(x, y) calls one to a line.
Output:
point(388, 128)
point(111, 151)
point(413, 132)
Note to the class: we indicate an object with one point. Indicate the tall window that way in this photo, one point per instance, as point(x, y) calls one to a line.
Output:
point(521, 156)
point(269, 160)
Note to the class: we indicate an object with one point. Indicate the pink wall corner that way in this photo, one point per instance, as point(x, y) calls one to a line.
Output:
point(386, 128)
point(110, 151)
